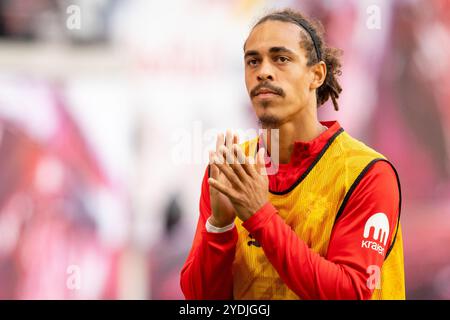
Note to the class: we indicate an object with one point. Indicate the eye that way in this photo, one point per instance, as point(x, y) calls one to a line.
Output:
point(252, 62)
point(282, 59)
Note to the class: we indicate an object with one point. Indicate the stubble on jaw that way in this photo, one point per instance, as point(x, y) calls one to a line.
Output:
point(268, 121)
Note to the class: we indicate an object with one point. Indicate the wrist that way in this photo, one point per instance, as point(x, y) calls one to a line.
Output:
point(260, 218)
point(219, 223)
point(247, 214)
point(212, 229)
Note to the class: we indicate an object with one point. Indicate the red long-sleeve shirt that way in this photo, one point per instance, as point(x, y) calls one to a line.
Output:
point(341, 274)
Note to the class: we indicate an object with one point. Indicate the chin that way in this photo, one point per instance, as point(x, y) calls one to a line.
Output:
point(269, 120)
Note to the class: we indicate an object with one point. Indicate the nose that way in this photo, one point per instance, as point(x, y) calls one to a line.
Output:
point(264, 77)
point(265, 72)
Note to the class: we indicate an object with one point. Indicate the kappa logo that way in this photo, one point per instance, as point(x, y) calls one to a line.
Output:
point(253, 242)
point(379, 223)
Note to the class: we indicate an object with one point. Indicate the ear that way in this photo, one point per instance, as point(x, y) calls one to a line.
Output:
point(319, 72)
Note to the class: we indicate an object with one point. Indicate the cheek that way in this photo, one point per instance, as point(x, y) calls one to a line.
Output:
point(297, 85)
point(248, 85)
point(250, 78)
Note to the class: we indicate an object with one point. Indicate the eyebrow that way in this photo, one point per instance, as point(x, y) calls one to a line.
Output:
point(251, 53)
point(281, 49)
point(271, 50)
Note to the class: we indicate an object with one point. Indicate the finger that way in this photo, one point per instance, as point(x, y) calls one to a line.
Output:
point(261, 161)
point(225, 152)
point(211, 156)
point(237, 165)
point(227, 171)
point(229, 192)
point(213, 170)
point(235, 168)
point(251, 161)
point(235, 138)
point(229, 139)
point(220, 141)
point(260, 158)
point(241, 158)
point(229, 143)
point(251, 166)
point(239, 154)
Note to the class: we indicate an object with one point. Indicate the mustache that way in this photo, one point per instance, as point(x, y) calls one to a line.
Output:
point(268, 86)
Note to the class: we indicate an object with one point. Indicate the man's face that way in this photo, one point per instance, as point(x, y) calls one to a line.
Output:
point(277, 77)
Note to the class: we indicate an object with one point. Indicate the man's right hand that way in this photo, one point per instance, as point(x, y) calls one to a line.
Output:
point(223, 212)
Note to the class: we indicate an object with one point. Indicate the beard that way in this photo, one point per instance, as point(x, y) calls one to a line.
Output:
point(267, 120)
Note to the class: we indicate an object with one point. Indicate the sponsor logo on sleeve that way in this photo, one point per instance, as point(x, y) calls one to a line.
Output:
point(376, 231)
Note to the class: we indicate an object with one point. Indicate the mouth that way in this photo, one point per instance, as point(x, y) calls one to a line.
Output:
point(266, 93)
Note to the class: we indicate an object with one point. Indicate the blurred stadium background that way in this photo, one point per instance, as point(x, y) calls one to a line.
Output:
point(105, 127)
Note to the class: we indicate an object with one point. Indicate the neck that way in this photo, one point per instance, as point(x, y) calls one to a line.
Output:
point(303, 127)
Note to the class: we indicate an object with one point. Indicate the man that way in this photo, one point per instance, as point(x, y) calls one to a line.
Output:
point(326, 225)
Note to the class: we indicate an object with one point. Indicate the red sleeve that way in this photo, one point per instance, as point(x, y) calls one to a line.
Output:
point(343, 273)
point(207, 272)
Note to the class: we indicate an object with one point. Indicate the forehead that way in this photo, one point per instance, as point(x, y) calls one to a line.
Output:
point(274, 34)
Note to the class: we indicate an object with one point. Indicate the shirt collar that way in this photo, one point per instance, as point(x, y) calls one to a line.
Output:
point(306, 149)
point(312, 148)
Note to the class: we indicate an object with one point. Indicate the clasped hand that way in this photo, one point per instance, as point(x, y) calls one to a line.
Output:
point(246, 184)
